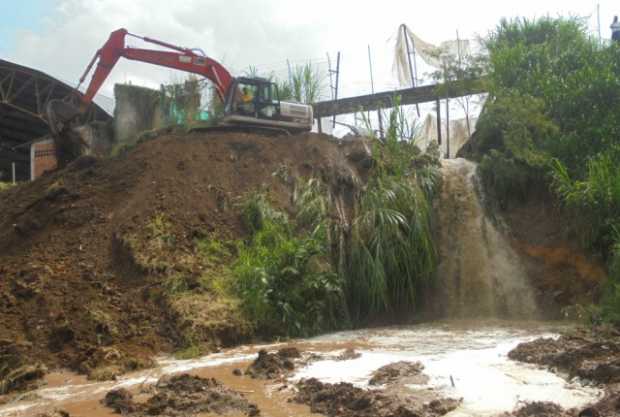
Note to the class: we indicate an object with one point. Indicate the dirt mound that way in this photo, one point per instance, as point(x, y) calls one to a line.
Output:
point(272, 365)
point(411, 371)
point(346, 400)
point(181, 395)
point(98, 260)
point(584, 355)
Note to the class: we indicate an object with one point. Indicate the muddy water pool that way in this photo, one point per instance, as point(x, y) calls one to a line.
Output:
point(463, 359)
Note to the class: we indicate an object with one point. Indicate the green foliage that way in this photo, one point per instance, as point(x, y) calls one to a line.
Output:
point(553, 118)
point(307, 84)
point(283, 274)
point(610, 305)
point(257, 211)
point(180, 101)
point(392, 254)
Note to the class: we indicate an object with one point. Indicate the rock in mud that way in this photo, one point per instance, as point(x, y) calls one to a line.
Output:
point(120, 400)
point(539, 409)
point(272, 365)
point(398, 371)
point(348, 354)
point(182, 395)
point(345, 400)
point(55, 413)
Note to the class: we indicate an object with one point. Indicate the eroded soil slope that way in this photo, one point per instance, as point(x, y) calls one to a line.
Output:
point(88, 255)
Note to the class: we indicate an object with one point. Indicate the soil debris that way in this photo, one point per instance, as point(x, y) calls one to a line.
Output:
point(124, 233)
point(398, 371)
point(539, 409)
point(15, 373)
point(273, 365)
point(181, 395)
point(120, 400)
point(589, 356)
point(348, 354)
point(55, 413)
point(345, 400)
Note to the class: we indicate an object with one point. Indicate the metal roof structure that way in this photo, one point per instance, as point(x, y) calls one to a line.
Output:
point(24, 94)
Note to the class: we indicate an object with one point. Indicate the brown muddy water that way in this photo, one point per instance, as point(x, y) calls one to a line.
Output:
point(473, 354)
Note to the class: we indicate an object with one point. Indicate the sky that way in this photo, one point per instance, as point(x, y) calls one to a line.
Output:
point(60, 36)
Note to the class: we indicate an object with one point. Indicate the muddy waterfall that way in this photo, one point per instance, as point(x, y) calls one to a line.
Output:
point(479, 274)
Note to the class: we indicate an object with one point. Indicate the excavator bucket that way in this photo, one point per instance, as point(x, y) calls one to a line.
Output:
point(68, 141)
point(60, 114)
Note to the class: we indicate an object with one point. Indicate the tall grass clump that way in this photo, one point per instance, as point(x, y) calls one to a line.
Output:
point(283, 272)
point(392, 254)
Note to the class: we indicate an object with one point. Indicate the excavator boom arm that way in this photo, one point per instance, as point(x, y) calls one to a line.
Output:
point(182, 59)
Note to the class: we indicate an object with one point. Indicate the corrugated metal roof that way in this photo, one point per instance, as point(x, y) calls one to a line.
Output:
point(24, 94)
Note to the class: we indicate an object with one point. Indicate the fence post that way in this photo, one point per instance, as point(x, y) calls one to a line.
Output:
point(13, 171)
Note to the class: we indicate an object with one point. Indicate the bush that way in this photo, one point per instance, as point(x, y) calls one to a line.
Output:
point(283, 273)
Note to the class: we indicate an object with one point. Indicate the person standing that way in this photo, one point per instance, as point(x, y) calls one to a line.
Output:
point(615, 29)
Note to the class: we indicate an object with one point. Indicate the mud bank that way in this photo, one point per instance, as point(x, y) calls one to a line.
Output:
point(412, 366)
point(592, 356)
point(94, 258)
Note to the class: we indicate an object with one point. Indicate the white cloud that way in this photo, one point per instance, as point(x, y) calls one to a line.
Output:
point(265, 33)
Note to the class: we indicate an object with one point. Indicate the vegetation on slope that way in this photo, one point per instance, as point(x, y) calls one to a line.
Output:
point(392, 254)
point(552, 123)
point(296, 277)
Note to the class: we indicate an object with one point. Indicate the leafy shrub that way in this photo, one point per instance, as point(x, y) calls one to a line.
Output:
point(283, 274)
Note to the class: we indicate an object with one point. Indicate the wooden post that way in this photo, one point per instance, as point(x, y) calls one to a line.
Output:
point(336, 86)
point(413, 75)
point(13, 172)
point(372, 89)
point(290, 72)
point(318, 121)
point(438, 107)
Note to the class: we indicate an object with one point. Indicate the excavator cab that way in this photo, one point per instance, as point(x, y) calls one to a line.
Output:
point(254, 97)
point(256, 101)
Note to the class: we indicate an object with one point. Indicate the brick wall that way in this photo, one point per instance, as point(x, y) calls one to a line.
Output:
point(42, 158)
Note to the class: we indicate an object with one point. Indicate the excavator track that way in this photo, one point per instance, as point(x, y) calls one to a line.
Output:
point(266, 130)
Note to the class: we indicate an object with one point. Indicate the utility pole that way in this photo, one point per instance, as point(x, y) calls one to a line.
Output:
point(598, 19)
point(372, 89)
point(414, 75)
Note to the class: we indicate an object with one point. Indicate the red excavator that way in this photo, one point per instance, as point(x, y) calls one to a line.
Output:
point(249, 102)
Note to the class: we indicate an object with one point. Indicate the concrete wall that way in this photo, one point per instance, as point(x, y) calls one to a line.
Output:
point(137, 110)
